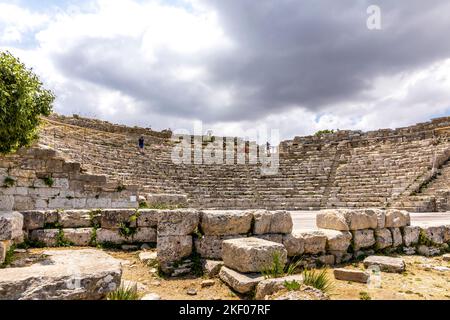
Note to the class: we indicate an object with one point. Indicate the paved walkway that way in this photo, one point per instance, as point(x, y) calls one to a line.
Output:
point(306, 220)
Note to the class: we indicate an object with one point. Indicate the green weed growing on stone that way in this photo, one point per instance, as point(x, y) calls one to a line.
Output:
point(8, 182)
point(124, 293)
point(317, 279)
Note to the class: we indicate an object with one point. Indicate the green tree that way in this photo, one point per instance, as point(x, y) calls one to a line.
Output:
point(23, 100)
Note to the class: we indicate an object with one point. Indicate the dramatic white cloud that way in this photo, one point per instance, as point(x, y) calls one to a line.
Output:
point(294, 66)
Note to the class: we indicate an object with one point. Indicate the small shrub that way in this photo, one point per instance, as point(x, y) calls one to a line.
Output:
point(276, 270)
point(93, 239)
point(49, 182)
point(143, 205)
point(424, 240)
point(323, 132)
point(121, 188)
point(8, 182)
point(317, 279)
point(364, 296)
point(124, 293)
point(61, 240)
point(125, 229)
point(292, 285)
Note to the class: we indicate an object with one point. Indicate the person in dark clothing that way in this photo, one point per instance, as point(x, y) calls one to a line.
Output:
point(141, 144)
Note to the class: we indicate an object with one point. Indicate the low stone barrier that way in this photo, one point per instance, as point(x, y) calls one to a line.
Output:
point(11, 224)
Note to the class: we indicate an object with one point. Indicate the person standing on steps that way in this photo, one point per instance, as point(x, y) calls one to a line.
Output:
point(141, 144)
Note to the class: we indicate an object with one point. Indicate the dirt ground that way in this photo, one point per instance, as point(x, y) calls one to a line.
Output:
point(420, 282)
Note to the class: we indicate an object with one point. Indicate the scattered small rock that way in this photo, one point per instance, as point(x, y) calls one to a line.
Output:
point(151, 296)
point(20, 251)
point(446, 257)
point(208, 283)
point(147, 257)
point(155, 283)
point(191, 292)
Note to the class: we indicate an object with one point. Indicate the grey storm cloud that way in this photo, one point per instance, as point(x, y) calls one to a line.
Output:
point(287, 54)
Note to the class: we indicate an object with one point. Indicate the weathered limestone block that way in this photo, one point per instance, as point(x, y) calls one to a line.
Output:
point(148, 218)
point(397, 239)
point(33, 220)
point(386, 264)
point(428, 251)
point(177, 222)
point(6, 202)
point(337, 240)
point(172, 249)
point(435, 234)
point(242, 283)
point(305, 293)
point(11, 225)
point(397, 218)
point(144, 235)
point(294, 244)
point(251, 254)
point(79, 237)
point(211, 246)
point(4, 247)
point(274, 237)
point(48, 236)
point(111, 236)
point(347, 219)
point(410, 235)
point(270, 286)
point(148, 257)
point(272, 222)
point(446, 234)
point(383, 238)
point(74, 218)
point(69, 275)
point(315, 242)
point(112, 218)
point(211, 268)
point(223, 223)
point(446, 257)
point(363, 239)
point(351, 275)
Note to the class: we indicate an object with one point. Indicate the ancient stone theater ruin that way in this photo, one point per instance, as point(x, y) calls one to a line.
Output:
point(85, 184)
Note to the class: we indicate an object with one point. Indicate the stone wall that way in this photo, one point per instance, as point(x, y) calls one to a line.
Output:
point(40, 178)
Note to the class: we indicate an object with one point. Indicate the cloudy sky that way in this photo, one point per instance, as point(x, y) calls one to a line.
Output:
point(294, 65)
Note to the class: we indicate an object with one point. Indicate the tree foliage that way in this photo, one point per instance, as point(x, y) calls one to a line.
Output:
point(22, 101)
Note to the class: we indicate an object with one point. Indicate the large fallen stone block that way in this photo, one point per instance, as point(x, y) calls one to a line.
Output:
point(351, 275)
point(272, 222)
point(113, 218)
point(386, 264)
point(397, 218)
point(172, 249)
point(242, 283)
point(177, 222)
point(363, 239)
point(410, 235)
point(78, 237)
point(349, 219)
point(251, 254)
point(305, 293)
point(225, 223)
point(270, 286)
point(294, 244)
point(75, 218)
point(211, 246)
point(428, 251)
point(383, 238)
point(65, 275)
point(11, 225)
point(337, 240)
